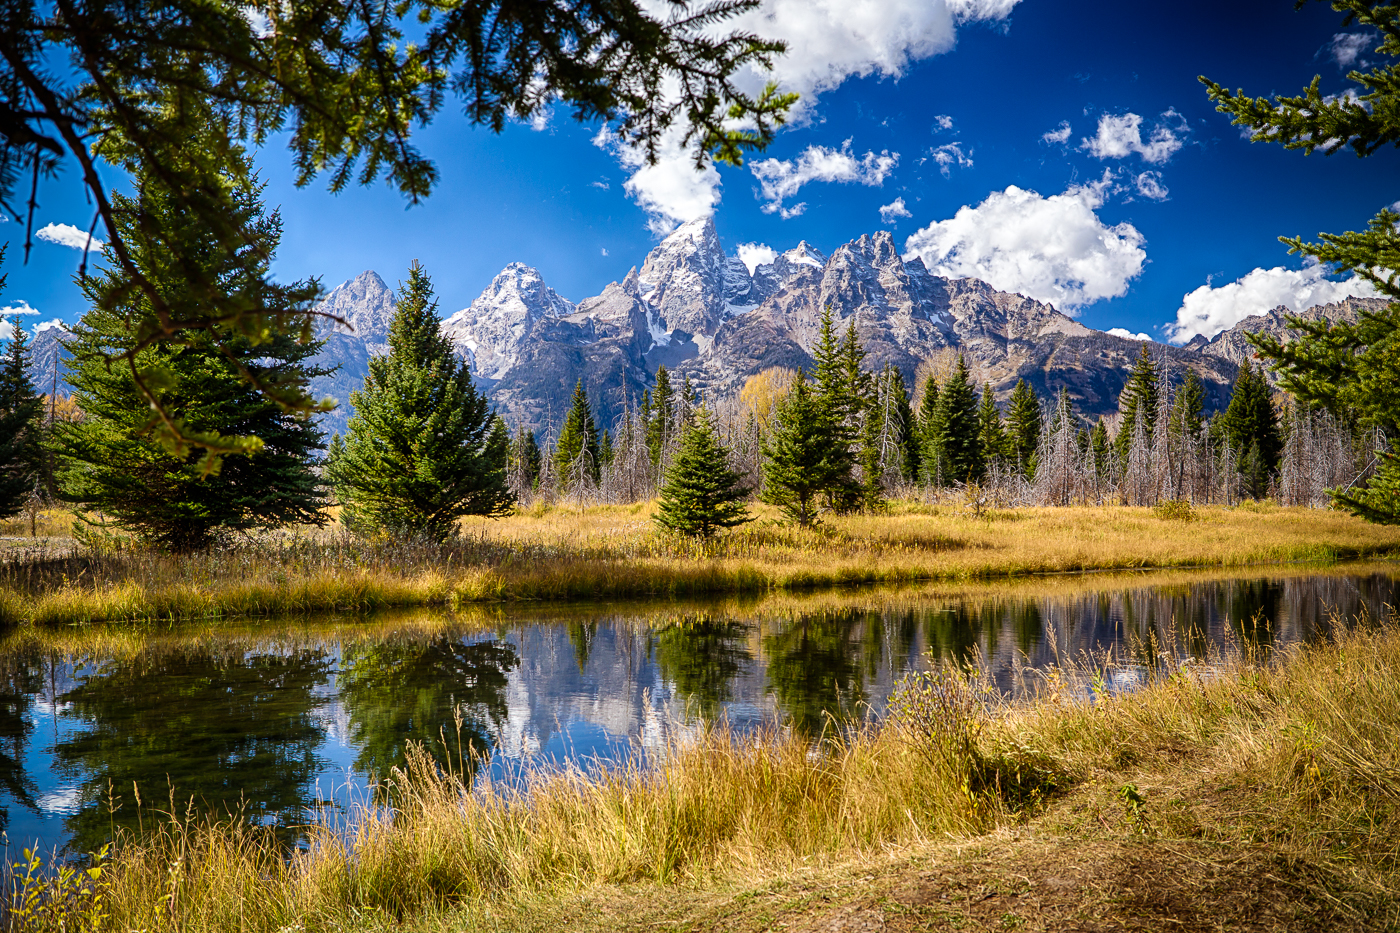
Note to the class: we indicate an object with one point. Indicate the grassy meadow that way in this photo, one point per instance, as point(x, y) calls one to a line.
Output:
point(1250, 792)
point(616, 552)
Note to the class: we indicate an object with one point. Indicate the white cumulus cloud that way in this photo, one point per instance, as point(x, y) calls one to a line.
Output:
point(1120, 135)
point(1053, 249)
point(1124, 332)
point(948, 156)
point(670, 190)
point(942, 122)
point(828, 42)
point(69, 235)
point(783, 178)
point(19, 307)
point(754, 255)
point(1058, 136)
point(1209, 310)
point(893, 211)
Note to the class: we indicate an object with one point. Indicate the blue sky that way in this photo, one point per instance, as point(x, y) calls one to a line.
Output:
point(984, 128)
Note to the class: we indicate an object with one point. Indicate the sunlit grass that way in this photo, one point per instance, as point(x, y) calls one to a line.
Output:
point(616, 552)
point(1292, 752)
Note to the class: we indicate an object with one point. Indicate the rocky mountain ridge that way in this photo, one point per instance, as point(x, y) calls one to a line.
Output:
point(711, 319)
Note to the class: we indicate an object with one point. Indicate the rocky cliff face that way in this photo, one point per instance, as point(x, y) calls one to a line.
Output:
point(704, 315)
point(1233, 345)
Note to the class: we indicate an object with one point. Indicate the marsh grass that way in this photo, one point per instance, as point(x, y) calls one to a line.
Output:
point(1291, 752)
point(616, 552)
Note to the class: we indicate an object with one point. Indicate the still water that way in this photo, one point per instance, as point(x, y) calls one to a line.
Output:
point(284, 719)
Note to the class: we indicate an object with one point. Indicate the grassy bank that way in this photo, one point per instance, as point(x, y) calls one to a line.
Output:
point(616, 552)
point(1191, 802)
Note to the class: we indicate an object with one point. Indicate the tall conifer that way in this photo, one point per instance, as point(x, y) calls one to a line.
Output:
point(1251, 425)
point(19, 423)
point(1140, 393)
point(422, 449)
point(957, 427)
point(798, 467)
point(701, 493)
point(991, 433)
point(1023, 427)
point(111, 461)
point(577, 456)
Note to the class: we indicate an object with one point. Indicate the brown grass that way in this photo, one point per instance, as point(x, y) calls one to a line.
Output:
point(1253, 793)
point(615, 552)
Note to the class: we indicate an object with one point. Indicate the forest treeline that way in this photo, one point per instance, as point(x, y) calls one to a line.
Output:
point(423, 448)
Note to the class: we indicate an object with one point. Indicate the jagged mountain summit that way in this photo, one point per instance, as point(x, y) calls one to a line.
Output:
point(712, 319)
point(1233, 344)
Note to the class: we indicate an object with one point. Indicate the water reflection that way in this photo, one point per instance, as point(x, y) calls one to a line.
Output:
point(415, 691)
point(207, 727)
point(269, 721)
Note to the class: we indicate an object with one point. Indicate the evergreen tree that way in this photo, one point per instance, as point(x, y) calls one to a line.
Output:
point(991, 433)
point(661, 407)
point(701, 493)
point(838, 408)
point(871, 486)
point(930, 456)
point(1251, 426)
point(908, 428)
point(112, 461)
point(422, 449)
point(955, 423)
point(1351, 369)
point(1140, 392)
point(576, 453)
point(525, 458)
point(1102, 448)
point(798, 463)
point(1188, 407)
point(19, 423)
point(605, 450)
point(1023, 427)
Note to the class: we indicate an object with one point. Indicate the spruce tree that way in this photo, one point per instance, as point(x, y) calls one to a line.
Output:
point(1352, 369)
point(1187, 407)
point(701, 493)
point(1102, 448)
point(798, 467)
point(19, 423)
point(422, 449)
point(661, 416)
point(1251, 426)
point(1140, 392)
point(838, 405)
point(991, 433)
point(525, 460)
point(931, 465)
point(955, 423)
point(577, 456)
point(112, 462)
point(1023, 427)
point(908, 428)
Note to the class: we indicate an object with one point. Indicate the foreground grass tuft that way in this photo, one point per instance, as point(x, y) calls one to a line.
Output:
point(1281, 772)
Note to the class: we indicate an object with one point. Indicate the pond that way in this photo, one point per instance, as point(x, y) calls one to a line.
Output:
point(281, 720)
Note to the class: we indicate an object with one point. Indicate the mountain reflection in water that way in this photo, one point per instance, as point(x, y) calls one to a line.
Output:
point(273, 722)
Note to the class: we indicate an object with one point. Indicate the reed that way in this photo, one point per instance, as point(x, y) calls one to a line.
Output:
point(611, 552)
point(1292, 753)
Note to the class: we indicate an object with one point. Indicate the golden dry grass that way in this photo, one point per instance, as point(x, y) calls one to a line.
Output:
point(1263, 793)
point(615, 552)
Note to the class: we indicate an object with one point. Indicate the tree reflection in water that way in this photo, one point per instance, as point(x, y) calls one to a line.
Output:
point(222, 732)
point(410, 691)
point(700, 656)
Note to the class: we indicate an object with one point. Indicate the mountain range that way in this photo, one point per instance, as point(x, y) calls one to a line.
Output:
point(713, 319)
